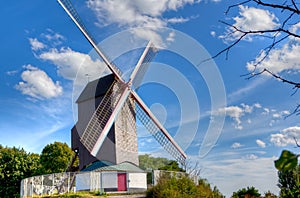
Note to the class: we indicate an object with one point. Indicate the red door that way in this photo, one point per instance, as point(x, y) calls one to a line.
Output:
point(122, 182)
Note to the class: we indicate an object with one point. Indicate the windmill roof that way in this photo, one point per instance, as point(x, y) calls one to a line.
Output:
point(96, 88)
point(124, 166)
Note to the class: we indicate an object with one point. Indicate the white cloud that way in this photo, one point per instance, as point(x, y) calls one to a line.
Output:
point(286, 136)
point(236, 145)
point(53, 37)
point(276, 115)
point(280, 114)
point(260, 143)
point(213, 33)
point(257, 105)
point(278, 60)
point(178, 20)
point(71, 64)
point(266, 111)
point(251, 18)
point(295, 28)
point(35, 44)
point(247, 108)
point(236, 112)
point(137, 14)
point(37, 84)
point(239, 171)
point(250, 157)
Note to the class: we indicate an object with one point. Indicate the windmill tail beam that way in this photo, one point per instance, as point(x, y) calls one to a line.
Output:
point(71, 11)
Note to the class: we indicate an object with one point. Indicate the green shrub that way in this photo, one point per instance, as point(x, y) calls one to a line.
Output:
point(169, 186)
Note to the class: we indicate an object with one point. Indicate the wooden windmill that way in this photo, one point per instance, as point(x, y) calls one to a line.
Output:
point(108, 132)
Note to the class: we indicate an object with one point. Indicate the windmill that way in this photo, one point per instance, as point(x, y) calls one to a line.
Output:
point(120, 96)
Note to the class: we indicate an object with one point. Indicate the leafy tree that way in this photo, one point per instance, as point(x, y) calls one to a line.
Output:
point(270, 195)
point(172, 166)
point(289, 182)
point(15, 165)
point(55, 158)
point(246, 193)
point(153, 163)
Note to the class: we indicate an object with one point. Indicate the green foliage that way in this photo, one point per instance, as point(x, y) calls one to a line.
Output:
point(181, 187)
point(286, 161)
point(289, 182)
point(15, 164)
point(206, 191)
point(55, 158)
point(169, 186)
point(247, 193)
point(172, 166)
point(152, 163)
point(269, 195)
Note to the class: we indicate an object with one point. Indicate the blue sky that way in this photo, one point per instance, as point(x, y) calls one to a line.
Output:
point(46, 61)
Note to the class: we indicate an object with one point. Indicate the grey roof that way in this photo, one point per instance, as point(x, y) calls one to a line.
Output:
point(96, 165)
point(96, 88)
point(124, 166)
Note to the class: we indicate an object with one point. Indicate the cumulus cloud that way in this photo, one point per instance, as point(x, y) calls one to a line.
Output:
point(260, 143)
point(286, 136)
point(236, 145)
point(35, 44)
point(236, 112)
point(251, 18)
point(71, 64)
point(138, 14)
point(278, 60)
point(37, 84)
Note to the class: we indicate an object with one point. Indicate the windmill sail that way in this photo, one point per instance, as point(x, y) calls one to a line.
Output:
point(71, 11)
point(143, 64)
point(157, 130)
point(101, 116)
point(117, 96)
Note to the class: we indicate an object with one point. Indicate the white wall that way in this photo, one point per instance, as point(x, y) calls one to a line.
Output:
point(137, 180)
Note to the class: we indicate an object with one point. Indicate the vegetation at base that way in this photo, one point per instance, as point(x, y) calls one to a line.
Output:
point(250, 192)
point(289, 182)
point(181, 187)
point(17, 164)
point(55, 158)
point(146, 162)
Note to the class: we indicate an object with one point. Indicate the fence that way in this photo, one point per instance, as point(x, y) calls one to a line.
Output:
point(57, 183)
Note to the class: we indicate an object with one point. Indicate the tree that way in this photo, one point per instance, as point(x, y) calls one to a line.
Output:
point(15, 165)
point(55, 158)
point(152, 163)
point(172, 166)
point(289, 182)
point(246, 193)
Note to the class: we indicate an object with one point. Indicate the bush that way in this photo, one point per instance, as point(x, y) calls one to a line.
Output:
point(181, 187)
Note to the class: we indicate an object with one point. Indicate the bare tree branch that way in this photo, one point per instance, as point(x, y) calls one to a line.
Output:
point(283, 7)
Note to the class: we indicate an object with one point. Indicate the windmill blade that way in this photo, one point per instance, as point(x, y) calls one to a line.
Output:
point(104, 117)
point(157, 130)
point(143, 65)
point(71, 11)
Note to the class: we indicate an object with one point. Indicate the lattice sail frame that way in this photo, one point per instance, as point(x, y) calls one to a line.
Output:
point(117, 95)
